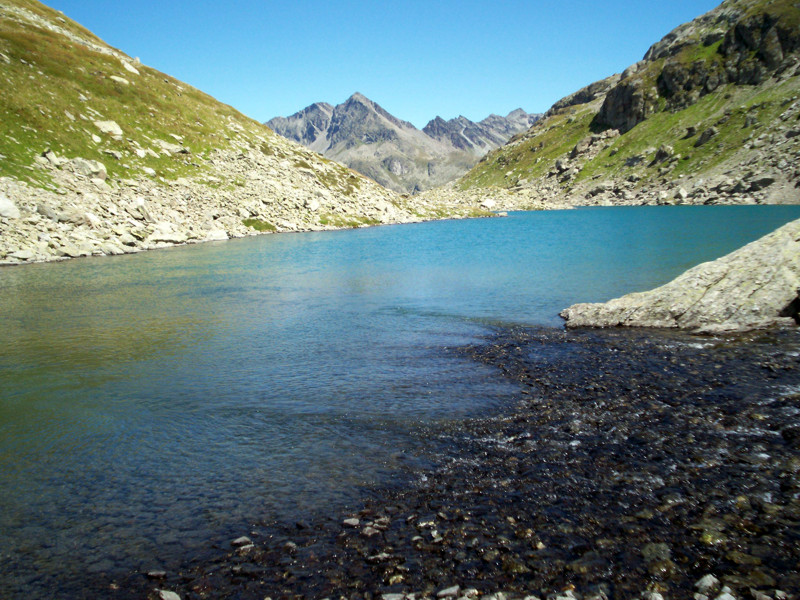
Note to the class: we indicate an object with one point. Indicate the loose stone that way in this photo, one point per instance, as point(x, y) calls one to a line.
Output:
point(241, 541)
point(156, 574)
point(707, 583)
point(450, 592)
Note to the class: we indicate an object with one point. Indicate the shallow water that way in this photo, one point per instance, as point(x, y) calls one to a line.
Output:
point(154, 404)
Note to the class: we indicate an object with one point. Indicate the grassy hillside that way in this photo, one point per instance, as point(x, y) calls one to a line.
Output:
point(731, 76)
point(55, 92)
point(59, 80)
point(100, 154)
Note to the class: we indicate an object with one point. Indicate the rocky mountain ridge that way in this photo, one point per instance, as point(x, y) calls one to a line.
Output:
point(100, 154)
point(708, 116)
point(362, 135)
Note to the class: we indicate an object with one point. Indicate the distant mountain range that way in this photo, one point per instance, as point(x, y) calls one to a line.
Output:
point(366, 138)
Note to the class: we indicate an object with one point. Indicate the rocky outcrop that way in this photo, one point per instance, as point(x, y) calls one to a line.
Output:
point(754, 287)
point(362, 135)
point(694, 122)
point(743, 43)
point(585, 95)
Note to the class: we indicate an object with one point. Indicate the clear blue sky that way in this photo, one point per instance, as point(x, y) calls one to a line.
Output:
point(417, 59)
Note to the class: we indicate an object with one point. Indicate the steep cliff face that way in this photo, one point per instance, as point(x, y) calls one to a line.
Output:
point(741, 43)
point(362, 135)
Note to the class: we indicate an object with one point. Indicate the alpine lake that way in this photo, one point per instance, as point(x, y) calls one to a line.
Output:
point(155, 406)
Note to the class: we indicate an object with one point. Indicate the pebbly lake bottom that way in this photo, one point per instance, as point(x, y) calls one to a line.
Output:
point(630, 461)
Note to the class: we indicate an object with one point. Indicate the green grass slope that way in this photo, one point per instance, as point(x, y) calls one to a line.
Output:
point(90, 139)
point(59, 80)
point(731, 75)
point(54, 92)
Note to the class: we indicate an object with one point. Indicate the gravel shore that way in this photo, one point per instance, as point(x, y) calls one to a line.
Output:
point(634, 464)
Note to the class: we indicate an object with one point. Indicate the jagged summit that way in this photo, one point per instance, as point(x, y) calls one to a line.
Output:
point(364, 136)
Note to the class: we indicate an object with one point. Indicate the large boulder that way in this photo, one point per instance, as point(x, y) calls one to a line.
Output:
point(8, 209)
point(92, 169)
point(751, 288)
point(109, 128)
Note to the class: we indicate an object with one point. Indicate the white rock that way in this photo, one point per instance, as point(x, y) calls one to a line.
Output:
point(111, 249)
point(167, 595)
point(242, 541)
point(118, 79)
point(245, 549)
point(169, 147)
point(126, 239)
point(22, 254)
point(109, 127)
point(54, 159)
point(93, 219)
point(488, 204)
point(8, 209)
point(351, 522)
point(706, 583)
point(129, 67)
point(749, 288)
point(92, 169)
point(450, 592)
point(216, 235)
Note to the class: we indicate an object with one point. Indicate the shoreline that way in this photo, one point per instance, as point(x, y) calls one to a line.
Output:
point(500, 213)
point(681, 458)
point(198, 241)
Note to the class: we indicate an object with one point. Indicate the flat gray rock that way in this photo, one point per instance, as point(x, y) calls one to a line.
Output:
point(751, 288)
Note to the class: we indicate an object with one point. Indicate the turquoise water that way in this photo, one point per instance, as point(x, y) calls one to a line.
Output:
point(154, 403)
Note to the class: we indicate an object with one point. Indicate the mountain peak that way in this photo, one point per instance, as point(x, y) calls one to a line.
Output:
point(359, 97)
point(367, 138)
